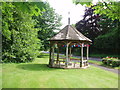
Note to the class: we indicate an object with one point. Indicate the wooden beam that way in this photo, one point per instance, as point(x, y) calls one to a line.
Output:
point(67, 55)
point(50, 60)
point(70, 51)
point(57, 53)
point(52, 55)
point(87, 52)
point(81, 63)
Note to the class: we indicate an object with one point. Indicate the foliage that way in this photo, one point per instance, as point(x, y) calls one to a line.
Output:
point(110, 58)
point(115, 63)
point(110, 61)
point(47, 23)
point(109, 8)
point(89, 25)
point(36, 74)
point(19, 37)
point(26, 27)
point(107, 24)
point(110, 40)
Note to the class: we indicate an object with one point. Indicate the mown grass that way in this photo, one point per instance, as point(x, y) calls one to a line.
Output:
point(103, 55)
point(36, 74)
point(95, 62)
point(101, 64)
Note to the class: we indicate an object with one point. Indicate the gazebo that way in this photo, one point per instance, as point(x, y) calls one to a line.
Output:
point(68, 36)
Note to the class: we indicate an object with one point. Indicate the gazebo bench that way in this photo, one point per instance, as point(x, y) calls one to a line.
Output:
point(85, 62)
point(71, 60)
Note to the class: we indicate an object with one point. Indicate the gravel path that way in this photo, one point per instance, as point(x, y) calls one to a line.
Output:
point(96, 59)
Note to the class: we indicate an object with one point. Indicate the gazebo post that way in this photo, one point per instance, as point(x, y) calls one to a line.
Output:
point(57, 53)
point(81, 63)
point(52, 54)
point(67, 54)
point(50, 60)
point(87, 52)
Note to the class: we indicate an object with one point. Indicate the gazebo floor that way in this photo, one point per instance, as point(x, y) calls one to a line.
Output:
point(70, 66)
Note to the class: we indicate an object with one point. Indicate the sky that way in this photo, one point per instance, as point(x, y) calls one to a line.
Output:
point(62, 7)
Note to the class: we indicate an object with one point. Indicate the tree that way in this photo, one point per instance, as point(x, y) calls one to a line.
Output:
point(108, 8)
point(26, 26)
point(89, 25)
point(47, 23)
point(19, 37)
point(109, 39)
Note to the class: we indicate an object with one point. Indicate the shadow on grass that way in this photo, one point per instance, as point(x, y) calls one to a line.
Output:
point(36, 67)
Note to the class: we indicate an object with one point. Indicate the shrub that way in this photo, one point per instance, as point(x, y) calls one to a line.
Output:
point(20, 41)
point(115, 64)
point(104, 62)
point(110, 61)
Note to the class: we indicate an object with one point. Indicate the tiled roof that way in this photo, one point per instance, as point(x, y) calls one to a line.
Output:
point(69, 33)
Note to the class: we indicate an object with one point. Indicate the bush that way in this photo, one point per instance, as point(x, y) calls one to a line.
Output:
point(104, 62)
point(110, 61)
point(114, 64)
point(20, 41)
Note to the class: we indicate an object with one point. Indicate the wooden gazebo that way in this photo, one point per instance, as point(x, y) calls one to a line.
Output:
point(68, 36)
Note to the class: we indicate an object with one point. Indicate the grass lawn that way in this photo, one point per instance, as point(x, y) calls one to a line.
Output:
point(103, 55)
point(36, 74)
point(95, 62)
point(101, 64)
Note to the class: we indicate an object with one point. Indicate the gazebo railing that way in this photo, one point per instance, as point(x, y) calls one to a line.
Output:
point(72, 62)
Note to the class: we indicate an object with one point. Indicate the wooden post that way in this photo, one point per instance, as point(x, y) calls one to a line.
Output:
point(87, 52)
point(67, 55)
point(50, 60)
point(81, 63)
point(70, 51)
point(57, 53)
point(52, 55)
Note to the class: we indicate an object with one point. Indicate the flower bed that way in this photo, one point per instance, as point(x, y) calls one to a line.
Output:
point(110, 61)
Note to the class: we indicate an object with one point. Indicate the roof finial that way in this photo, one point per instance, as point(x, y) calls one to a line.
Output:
point(68, 18)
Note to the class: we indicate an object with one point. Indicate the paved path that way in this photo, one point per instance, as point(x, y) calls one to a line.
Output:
point(107, 69)
point(96, 59)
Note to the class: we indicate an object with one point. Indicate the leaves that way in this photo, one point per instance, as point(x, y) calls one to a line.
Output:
point(109, 40)
point(83, 2)
point(21, 24)
point(47, 23)
point(109, 8)
point(89, 24)
point(19, 35)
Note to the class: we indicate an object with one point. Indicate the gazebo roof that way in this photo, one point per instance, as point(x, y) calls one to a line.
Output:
point(69, 33)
